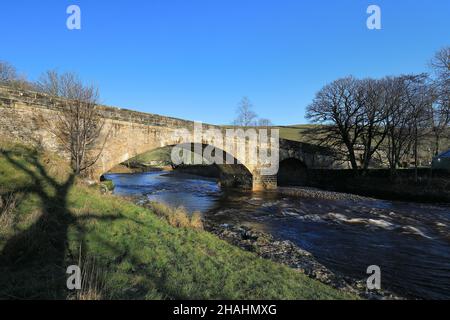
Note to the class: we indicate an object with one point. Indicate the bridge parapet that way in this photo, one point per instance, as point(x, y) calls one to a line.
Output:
point(10, 97)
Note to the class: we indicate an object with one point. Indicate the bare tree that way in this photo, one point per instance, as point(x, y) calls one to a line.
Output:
point(8, 72)
point(246, 117)
point(10, 77)
point(440, 108)
point(419, 101)
point(335, 107)
point(396, 122)
point(79, 123)
point(439, 122)
point(263, 122)
point(372, 100)
point(358, 124)
point(441, 64)
point(407, 117)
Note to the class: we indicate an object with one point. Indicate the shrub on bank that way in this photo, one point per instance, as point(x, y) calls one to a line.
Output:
point(177, 217)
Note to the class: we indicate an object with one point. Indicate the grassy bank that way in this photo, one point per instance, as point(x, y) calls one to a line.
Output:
point(49, 221)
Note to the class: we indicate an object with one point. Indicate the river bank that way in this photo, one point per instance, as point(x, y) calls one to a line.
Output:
point(50, 221)
point(343, 232)
point(138, 168)
point(287, 253)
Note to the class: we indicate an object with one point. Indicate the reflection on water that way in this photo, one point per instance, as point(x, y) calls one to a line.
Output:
point(410, 242)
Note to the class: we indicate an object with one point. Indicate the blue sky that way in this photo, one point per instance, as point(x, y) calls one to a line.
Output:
point(195, 59)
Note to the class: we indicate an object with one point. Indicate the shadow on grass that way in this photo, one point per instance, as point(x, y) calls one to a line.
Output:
point(33, 262)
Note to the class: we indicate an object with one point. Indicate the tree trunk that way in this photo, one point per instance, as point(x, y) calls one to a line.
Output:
point(353, 161)
point(415, 156)
point(436, 145)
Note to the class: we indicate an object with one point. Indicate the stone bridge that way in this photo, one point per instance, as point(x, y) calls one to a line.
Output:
point(127, 134)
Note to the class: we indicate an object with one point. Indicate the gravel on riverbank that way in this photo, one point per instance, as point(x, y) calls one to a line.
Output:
point(286, 252)
point(309, 192)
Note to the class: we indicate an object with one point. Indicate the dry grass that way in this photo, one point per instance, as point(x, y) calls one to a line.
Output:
point(8, 203)
point(196, 220)
point(177, 217)
point(92, 280)
point(55, 166)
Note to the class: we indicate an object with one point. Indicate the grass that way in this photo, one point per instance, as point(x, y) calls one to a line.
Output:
point(125, 251)
point(162, 155)
point(93, 279)
point(107, 185)
point(7, 206)
point(300, 133)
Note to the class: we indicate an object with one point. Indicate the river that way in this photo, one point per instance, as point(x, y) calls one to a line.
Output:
point(410, 242)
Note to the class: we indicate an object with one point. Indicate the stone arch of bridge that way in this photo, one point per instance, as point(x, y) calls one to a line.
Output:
point(117, 152)
point(292, 171)
point(127, 154)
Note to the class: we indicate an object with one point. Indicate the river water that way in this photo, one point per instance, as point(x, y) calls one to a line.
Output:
point(410, 242)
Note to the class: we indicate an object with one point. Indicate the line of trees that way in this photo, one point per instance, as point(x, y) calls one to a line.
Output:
point(78, 122)
point(387, 117)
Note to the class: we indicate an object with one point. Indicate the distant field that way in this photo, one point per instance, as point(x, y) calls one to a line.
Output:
point(160, 154)
point(296, 132)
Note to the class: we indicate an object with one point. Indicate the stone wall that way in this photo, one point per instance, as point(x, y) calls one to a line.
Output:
point(431, 186)
point(11, 97)
point(264, 182)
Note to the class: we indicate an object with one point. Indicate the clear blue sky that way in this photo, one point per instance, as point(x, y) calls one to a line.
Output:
point(195, 59)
